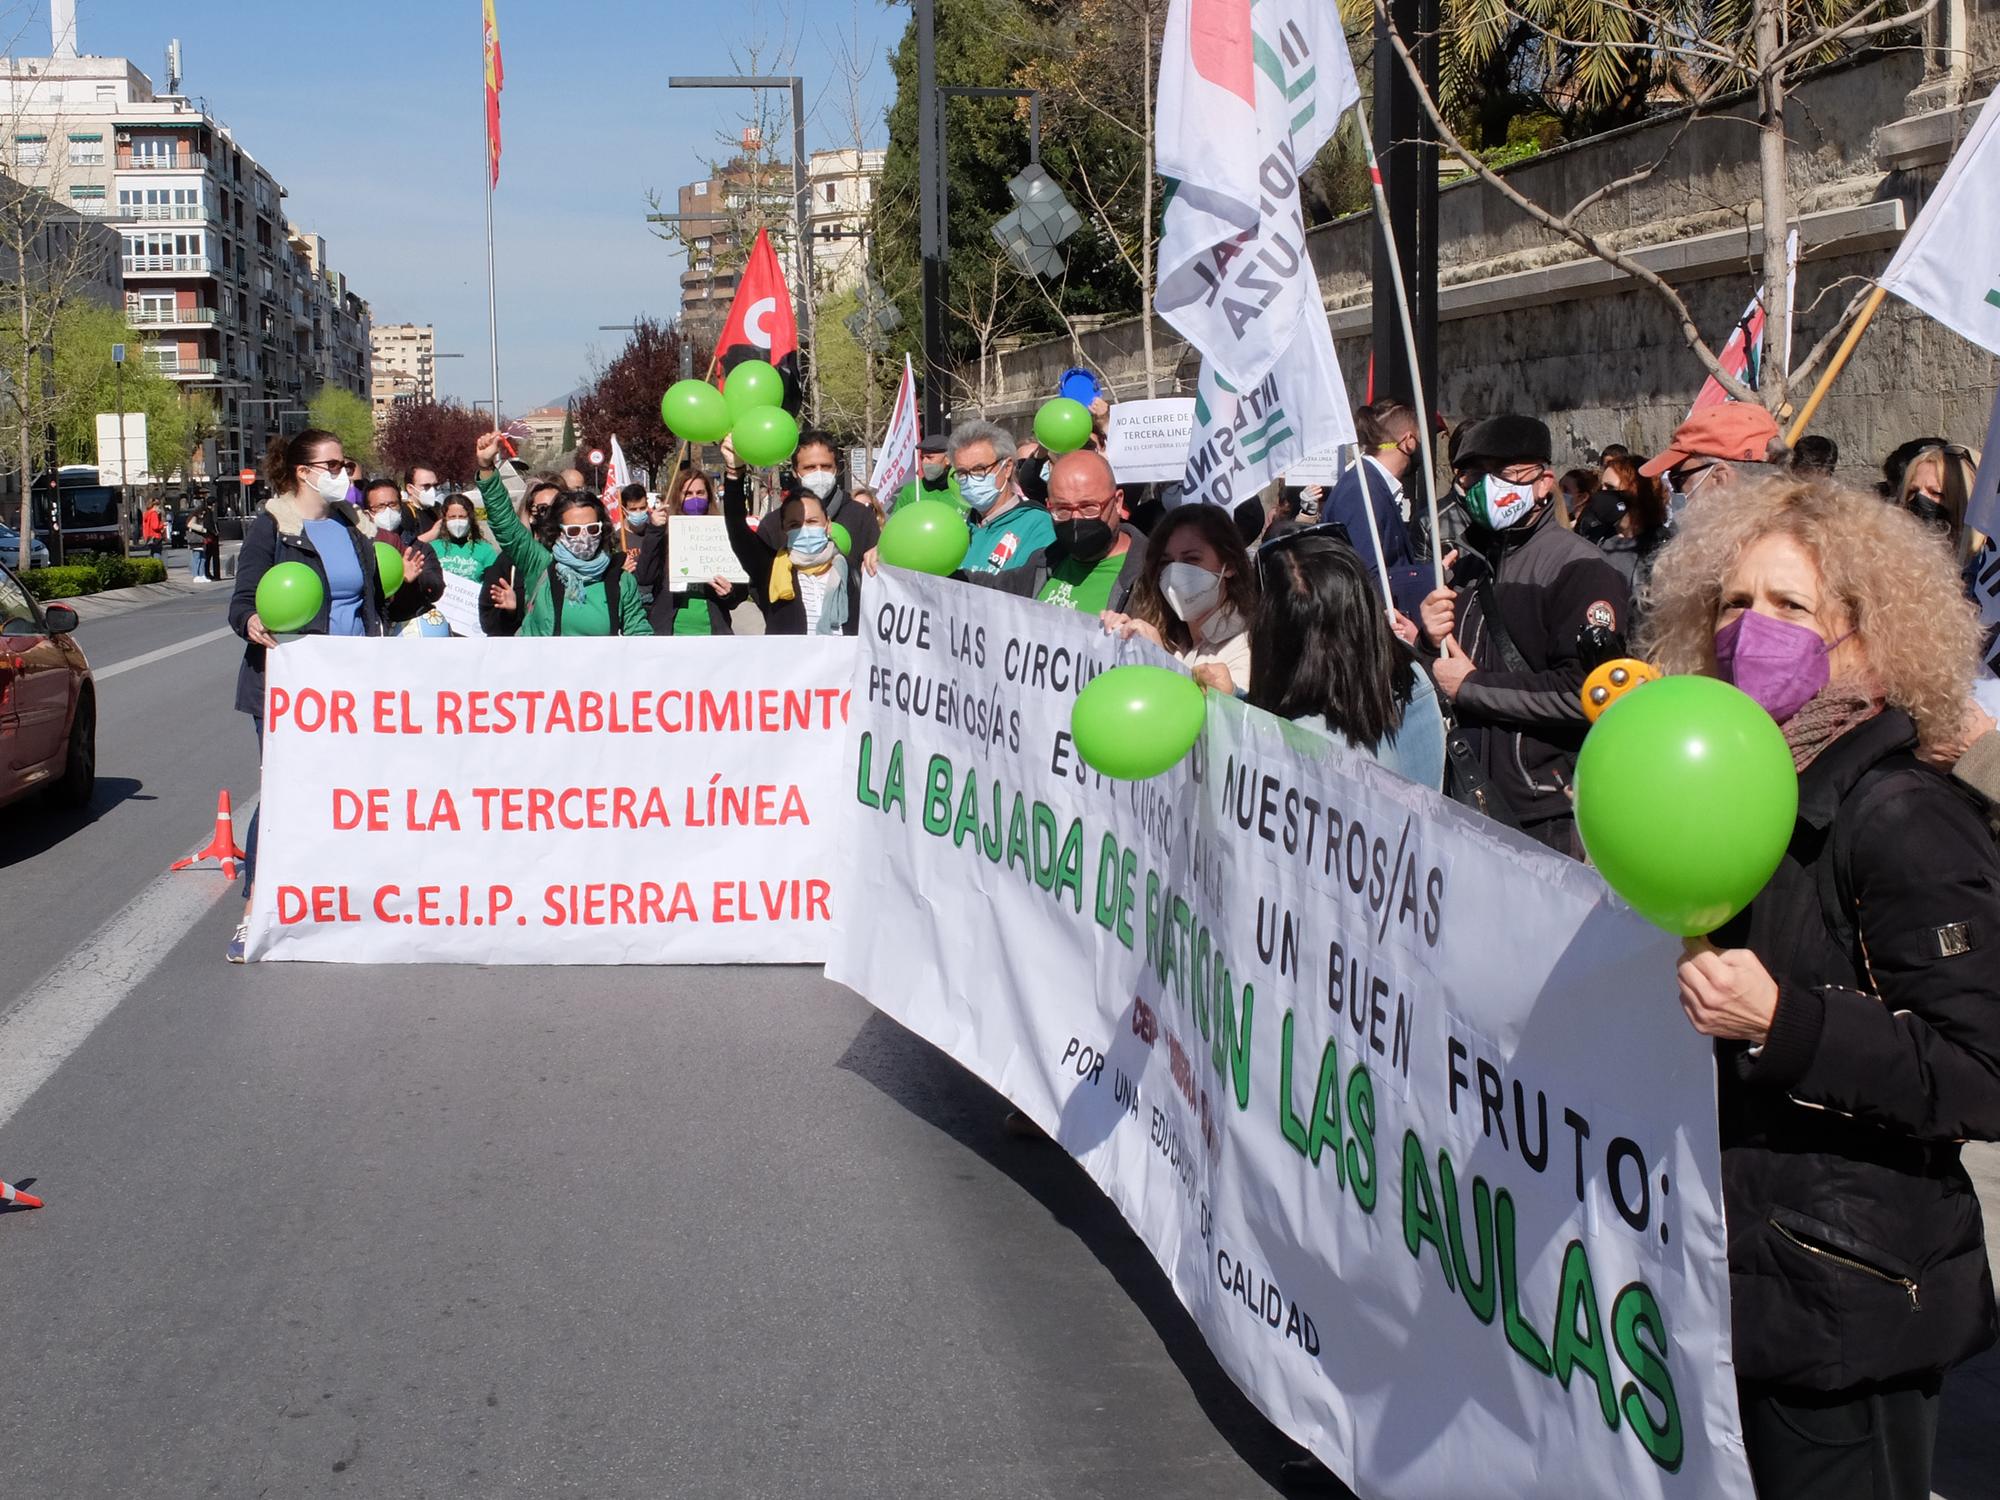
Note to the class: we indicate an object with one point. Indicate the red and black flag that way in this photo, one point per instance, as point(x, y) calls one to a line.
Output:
point(761, 325)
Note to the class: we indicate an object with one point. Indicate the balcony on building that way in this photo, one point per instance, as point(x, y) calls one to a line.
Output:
point(168, 265)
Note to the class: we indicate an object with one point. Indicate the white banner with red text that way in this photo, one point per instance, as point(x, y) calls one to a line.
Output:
point(1404, 1105)
point(552, 801)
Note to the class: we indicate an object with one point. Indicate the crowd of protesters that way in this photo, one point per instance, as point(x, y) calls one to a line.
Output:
point(1855, 1005)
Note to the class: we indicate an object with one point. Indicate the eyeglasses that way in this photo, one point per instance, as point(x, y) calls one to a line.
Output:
point(588, 528)
point(1079, 510)
point(983, 470)
point(331, 465)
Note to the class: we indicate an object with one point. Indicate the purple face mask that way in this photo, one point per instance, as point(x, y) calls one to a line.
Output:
point(1781, 665)
point(693, 505)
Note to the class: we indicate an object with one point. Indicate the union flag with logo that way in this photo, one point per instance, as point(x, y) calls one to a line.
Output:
point(761, 325)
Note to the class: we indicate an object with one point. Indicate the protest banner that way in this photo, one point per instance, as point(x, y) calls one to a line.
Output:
point(460, 605)
point(896, 459)
point(1146, 442)
point(1404, 1106)
point(561, 801)
point(698, 549)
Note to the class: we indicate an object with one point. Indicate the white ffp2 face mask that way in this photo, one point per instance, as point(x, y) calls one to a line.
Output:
point(459, 527)
point(818, 484)
point(331, 487)
point(1191, 591)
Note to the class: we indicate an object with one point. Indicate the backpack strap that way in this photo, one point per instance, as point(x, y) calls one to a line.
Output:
point(1489, 614)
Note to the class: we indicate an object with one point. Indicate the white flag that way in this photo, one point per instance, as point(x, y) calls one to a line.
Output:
point(1244, 437)
point(1248, 95)
point(1949, 263)
point(898, 458)
point(616, 476)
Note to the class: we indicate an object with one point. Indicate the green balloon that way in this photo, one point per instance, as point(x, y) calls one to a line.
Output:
point(765, 436)
point(1135, 722)
point(841, 540)
point(695, 412)
point(1686, 799)
point(1062, 425)
point(289, 595)
point(927, 537)
point(390, 562)
point(752, 384)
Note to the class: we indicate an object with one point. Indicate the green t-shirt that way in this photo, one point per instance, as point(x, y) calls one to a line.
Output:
point(1083, 586)
point(692, 618)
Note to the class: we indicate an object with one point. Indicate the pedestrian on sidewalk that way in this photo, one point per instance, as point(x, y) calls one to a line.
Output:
point(201, 526)
point(305, 522)
point(153, 528)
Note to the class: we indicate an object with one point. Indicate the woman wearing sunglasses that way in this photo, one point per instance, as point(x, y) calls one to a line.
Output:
point(701, 608)
point(308, 521)
point(572, 579)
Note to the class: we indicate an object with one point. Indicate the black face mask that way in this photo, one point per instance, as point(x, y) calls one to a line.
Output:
point(1033, 480)
point(1929, 512)
point(1087, 540)
point(1601, 514)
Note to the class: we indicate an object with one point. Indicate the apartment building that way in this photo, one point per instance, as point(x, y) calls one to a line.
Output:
point(719, 218)
point(843, 184)
point(402, 365)
point(228, 296)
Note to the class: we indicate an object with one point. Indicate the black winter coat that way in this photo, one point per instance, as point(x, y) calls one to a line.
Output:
point(1856, 1251)
point(1526, 717)
point(277, 534)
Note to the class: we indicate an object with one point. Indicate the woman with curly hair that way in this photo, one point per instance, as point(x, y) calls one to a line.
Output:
point(1196, 594)
point(1856, 1002)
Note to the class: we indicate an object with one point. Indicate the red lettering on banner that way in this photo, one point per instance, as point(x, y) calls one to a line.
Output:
point(353, 809)
point(443, 813)
point(312, 711)
point(291, 905)
point(382, 894)
point(816, 893)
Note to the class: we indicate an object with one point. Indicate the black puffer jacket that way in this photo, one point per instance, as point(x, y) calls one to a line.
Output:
point(1856, 1251)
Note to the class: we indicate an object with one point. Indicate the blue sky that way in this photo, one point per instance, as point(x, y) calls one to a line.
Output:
point(370, 113)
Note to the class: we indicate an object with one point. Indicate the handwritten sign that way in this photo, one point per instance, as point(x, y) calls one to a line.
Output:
point(697, 550)
point(1147, 441)
point(460, 605)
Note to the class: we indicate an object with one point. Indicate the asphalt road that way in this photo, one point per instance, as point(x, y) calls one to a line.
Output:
point(320, 1231)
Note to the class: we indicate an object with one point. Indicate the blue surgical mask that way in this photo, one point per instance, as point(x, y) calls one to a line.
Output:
point(807, 538)
point(979, 491)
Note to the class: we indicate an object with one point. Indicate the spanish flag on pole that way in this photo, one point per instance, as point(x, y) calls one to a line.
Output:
point(496, 79)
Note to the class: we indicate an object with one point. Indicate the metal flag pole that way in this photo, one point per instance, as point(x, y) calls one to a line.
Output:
point(492, 302)
point(1409, 345)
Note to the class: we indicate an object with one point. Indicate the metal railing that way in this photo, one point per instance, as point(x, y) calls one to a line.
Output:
point(138, 264)
point(176, 161)
point(190, 367)
point(153, 317)
point(148, 213)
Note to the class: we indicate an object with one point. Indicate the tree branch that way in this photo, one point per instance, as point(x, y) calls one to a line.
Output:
point(1583, 239)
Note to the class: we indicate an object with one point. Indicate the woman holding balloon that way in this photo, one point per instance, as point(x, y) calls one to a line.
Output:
point(1855, 1002)
point(308, 568)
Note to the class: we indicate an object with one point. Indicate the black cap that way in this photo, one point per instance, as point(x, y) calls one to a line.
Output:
point(1509, 438)
point(933, 442)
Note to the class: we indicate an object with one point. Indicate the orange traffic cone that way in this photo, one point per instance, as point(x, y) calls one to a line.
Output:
point(11, 1194)
point(223, 846)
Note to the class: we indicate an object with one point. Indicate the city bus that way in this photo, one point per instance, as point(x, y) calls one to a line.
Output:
point(89, 512)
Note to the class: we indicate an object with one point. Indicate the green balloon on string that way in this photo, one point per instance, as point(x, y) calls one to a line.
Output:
point(390, 562)
point(843, 542)
point(1062, 425)
point(929, 536)
point(764, 436)
point(289, 596)
point(695, 412)
point(754, 383)
point(1686, 800)
point(1134, 722)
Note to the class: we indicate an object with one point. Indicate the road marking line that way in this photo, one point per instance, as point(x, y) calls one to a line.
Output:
point(132, 663)
point(79, 993)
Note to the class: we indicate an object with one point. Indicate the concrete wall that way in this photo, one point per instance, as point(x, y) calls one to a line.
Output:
point(1528, 323)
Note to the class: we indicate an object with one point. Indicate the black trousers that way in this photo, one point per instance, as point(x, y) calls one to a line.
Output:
point(1840, 1445)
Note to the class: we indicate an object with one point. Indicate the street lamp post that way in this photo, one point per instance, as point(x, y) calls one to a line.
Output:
point(124, 471)
point(801, 191)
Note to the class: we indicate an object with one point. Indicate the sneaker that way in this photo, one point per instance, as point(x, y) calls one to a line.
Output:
point(234, 952)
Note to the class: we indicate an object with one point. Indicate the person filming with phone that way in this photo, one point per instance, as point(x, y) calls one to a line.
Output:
point(1520, 592)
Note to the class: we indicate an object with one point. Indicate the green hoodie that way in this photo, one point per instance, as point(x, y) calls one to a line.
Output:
point(583, 615)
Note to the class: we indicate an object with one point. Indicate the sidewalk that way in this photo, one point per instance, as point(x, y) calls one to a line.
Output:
point(124, 601)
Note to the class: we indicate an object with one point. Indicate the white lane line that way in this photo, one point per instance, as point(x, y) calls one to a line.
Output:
point(76, 996)
point(135, 662)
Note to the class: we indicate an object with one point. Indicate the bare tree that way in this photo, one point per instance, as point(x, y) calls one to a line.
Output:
point(49, 257)
point(1719, 56)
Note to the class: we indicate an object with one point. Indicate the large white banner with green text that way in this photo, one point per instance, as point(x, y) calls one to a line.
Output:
point(1404, 1106)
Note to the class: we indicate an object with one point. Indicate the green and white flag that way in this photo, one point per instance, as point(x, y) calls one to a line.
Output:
point(1949, 263)
point(1249, 92)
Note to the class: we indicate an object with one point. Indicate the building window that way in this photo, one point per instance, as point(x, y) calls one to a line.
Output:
point(30, 150)
point(829, 192)
point(86, 150)
point(88, 199)
point(107, 93)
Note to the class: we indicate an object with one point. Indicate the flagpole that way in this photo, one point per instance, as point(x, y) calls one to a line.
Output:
point(1409, 346)
point(492, 301)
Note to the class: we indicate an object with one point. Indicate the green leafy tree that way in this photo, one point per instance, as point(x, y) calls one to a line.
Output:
point(568, 444)
point(348, 418)
point(89, 382)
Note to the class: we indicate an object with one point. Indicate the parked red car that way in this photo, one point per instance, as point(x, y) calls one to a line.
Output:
point(48, 702)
